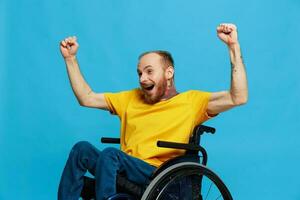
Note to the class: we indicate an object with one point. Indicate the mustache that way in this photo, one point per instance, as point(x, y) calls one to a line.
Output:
point(146, 85)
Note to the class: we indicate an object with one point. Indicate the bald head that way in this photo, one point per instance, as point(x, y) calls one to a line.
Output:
point(165, 57)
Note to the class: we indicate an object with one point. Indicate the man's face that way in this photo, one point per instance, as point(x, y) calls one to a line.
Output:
point(152, 78)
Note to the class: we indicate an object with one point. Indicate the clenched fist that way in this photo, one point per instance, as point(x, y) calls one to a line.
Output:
point(69, 47)
point(228, 33)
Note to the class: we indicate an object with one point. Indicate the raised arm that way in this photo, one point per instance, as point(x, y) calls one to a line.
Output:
point(238, 93)
point(83, 92)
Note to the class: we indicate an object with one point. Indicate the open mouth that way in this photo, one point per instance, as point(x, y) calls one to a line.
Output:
point(148, 88)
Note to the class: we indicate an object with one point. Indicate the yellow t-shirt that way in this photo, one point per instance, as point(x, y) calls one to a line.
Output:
point(142, 125)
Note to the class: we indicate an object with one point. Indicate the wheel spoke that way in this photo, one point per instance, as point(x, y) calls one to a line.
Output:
point(208, 191)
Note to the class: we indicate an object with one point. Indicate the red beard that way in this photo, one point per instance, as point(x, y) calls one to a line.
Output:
point(156, 94)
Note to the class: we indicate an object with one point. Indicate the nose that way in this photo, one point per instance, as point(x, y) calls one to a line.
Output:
point(143, 78)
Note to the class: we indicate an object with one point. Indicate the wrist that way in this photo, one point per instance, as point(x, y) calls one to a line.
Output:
point(234, 46)
point(70, 58)
point(235, 53)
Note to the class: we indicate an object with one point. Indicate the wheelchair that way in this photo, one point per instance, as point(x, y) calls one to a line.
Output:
point(185, 177)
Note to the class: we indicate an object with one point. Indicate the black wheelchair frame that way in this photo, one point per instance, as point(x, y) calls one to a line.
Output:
point(187, 171)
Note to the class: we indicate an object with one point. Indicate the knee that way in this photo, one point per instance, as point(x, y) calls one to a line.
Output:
point(81, 146)
point(110, 152)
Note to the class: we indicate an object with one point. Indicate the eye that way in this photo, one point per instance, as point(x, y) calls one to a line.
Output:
point(149, 71)
point(139, 74)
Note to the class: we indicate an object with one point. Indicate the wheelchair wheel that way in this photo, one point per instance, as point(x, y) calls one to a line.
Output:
point(187, 181)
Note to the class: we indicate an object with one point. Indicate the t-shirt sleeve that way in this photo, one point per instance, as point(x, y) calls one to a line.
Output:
point(200, 101)
point(118, 102)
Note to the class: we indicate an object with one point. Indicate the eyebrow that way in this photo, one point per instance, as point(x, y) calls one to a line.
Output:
point(145, 68)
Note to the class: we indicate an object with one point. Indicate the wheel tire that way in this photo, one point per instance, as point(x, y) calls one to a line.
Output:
point(169, 175)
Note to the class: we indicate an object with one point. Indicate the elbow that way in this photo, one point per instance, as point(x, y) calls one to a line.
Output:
point(240, 101)
point(239, 98)
point(83, 101)
point(87, 100)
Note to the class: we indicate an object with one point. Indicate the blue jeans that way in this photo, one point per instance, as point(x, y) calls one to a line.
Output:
point(104, 165)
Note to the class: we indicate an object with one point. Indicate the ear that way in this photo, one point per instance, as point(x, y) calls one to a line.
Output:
point(169, 73)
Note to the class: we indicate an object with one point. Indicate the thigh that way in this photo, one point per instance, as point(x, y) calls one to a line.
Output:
point(135, 169)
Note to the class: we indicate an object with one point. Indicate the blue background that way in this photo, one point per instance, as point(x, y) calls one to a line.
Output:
point(256, 147)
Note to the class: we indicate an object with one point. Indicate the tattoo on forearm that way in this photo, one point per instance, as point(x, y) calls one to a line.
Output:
point(233, 67)
point(242, 59)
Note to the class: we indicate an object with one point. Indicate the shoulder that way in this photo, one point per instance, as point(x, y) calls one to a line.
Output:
point(123, 93)
point(197, 93)
point(122, 96)
point(118, 101)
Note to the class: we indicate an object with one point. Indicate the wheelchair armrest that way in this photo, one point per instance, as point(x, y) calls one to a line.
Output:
point(191, 148)
point(110, 140)
point(175, 145)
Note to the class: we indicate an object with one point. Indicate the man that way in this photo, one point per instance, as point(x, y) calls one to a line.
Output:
point(155, 111)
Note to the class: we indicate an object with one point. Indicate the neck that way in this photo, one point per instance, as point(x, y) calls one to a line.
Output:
point(169, 93)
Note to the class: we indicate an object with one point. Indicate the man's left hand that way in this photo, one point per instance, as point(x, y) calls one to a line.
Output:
point(228, 34)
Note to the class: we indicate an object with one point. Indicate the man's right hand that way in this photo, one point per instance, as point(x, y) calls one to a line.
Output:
point(69, 47)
